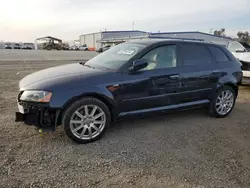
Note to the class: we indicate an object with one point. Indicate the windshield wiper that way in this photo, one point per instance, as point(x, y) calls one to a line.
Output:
point(90, 66)
point(83, 63)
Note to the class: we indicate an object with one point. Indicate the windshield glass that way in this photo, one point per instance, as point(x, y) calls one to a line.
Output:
point(115, 57)
point(234, 46)
point(245, 45)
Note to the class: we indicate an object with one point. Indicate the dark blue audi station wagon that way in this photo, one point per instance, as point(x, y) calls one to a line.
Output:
point(137, 77)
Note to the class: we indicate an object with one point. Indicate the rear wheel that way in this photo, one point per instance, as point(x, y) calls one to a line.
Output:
point(86, 120)
point(49, 47)
point(223, 103)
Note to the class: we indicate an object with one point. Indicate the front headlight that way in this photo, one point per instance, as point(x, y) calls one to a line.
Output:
point(36, 96)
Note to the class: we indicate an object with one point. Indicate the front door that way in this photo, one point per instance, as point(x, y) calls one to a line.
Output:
point(153, 87)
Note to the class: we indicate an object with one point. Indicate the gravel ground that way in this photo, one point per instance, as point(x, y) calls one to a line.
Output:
point(185, 149)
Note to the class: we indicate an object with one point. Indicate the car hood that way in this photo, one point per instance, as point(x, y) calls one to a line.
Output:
point(57, 75)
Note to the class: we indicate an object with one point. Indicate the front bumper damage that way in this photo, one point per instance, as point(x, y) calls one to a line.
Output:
point(39, 115)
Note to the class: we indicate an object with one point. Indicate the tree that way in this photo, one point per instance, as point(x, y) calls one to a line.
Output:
point(220, 33)
point(244, 36)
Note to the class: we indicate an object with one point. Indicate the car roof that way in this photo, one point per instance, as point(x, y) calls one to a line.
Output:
point(148, 42)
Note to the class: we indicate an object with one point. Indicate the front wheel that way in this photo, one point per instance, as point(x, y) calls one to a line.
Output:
point(223, 103)
point(86, 120)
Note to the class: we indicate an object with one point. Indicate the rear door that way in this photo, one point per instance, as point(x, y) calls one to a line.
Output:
point(199, 75)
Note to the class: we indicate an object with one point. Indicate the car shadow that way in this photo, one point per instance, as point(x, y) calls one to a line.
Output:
point(139, 126)
point(139, 123)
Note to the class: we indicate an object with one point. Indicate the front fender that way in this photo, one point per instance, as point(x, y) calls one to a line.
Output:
point(61, 97)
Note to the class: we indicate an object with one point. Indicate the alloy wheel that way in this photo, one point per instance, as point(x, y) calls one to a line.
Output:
point(87, 122)
point(224, 102)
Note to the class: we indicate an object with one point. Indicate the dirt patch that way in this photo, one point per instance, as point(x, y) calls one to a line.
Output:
point(186, 149)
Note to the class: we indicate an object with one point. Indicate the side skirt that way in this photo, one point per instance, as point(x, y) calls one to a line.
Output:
point(166, 108)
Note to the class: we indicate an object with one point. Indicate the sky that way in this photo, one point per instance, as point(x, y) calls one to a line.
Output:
point(26, 20)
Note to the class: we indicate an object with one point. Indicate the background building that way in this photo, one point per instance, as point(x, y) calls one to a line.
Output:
point(2, 45)
point(100, 39)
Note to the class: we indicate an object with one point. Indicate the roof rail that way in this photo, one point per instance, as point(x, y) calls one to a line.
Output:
point(177, 38)
point(192, 32)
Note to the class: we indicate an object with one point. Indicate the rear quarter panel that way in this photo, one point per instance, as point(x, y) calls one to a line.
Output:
point(229, 72)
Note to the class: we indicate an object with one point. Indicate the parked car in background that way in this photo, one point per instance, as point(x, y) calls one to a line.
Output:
point(103, 49)
point(74, 48)
point(65, 46)
point(17, 46)
point(130, 79)
point(28, 46)
point(246, 45)
point(8, 46)
point(83, 47)
point(243, 55)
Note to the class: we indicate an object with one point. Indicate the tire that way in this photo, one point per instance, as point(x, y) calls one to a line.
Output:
point(87, 125)
point(215, 109)
point(49, 47)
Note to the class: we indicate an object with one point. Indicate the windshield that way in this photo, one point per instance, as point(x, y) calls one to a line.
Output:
point(234, 46)
point(115, 57)
point(245, 45)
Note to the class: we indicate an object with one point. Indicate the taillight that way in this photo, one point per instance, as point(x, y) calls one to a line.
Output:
point(238, 76)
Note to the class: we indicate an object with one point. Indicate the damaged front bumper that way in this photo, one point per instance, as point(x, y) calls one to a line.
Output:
point(39, 115)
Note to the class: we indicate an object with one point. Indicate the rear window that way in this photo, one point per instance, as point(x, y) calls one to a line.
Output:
point(219, 55)
point(195, 54)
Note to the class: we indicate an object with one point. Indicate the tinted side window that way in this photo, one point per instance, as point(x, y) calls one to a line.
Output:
point(194, 54)
point(161, 57)
point(219, 55)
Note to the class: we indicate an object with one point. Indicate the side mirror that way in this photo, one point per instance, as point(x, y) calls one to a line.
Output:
point(138, 65)
point(240, 50)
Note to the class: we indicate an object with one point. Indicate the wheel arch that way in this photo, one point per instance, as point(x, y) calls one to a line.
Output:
point(108, 102)
point(230, 84)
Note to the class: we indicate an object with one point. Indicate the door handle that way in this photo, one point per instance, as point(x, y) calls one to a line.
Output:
point(216, 71)
point(175, 76)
